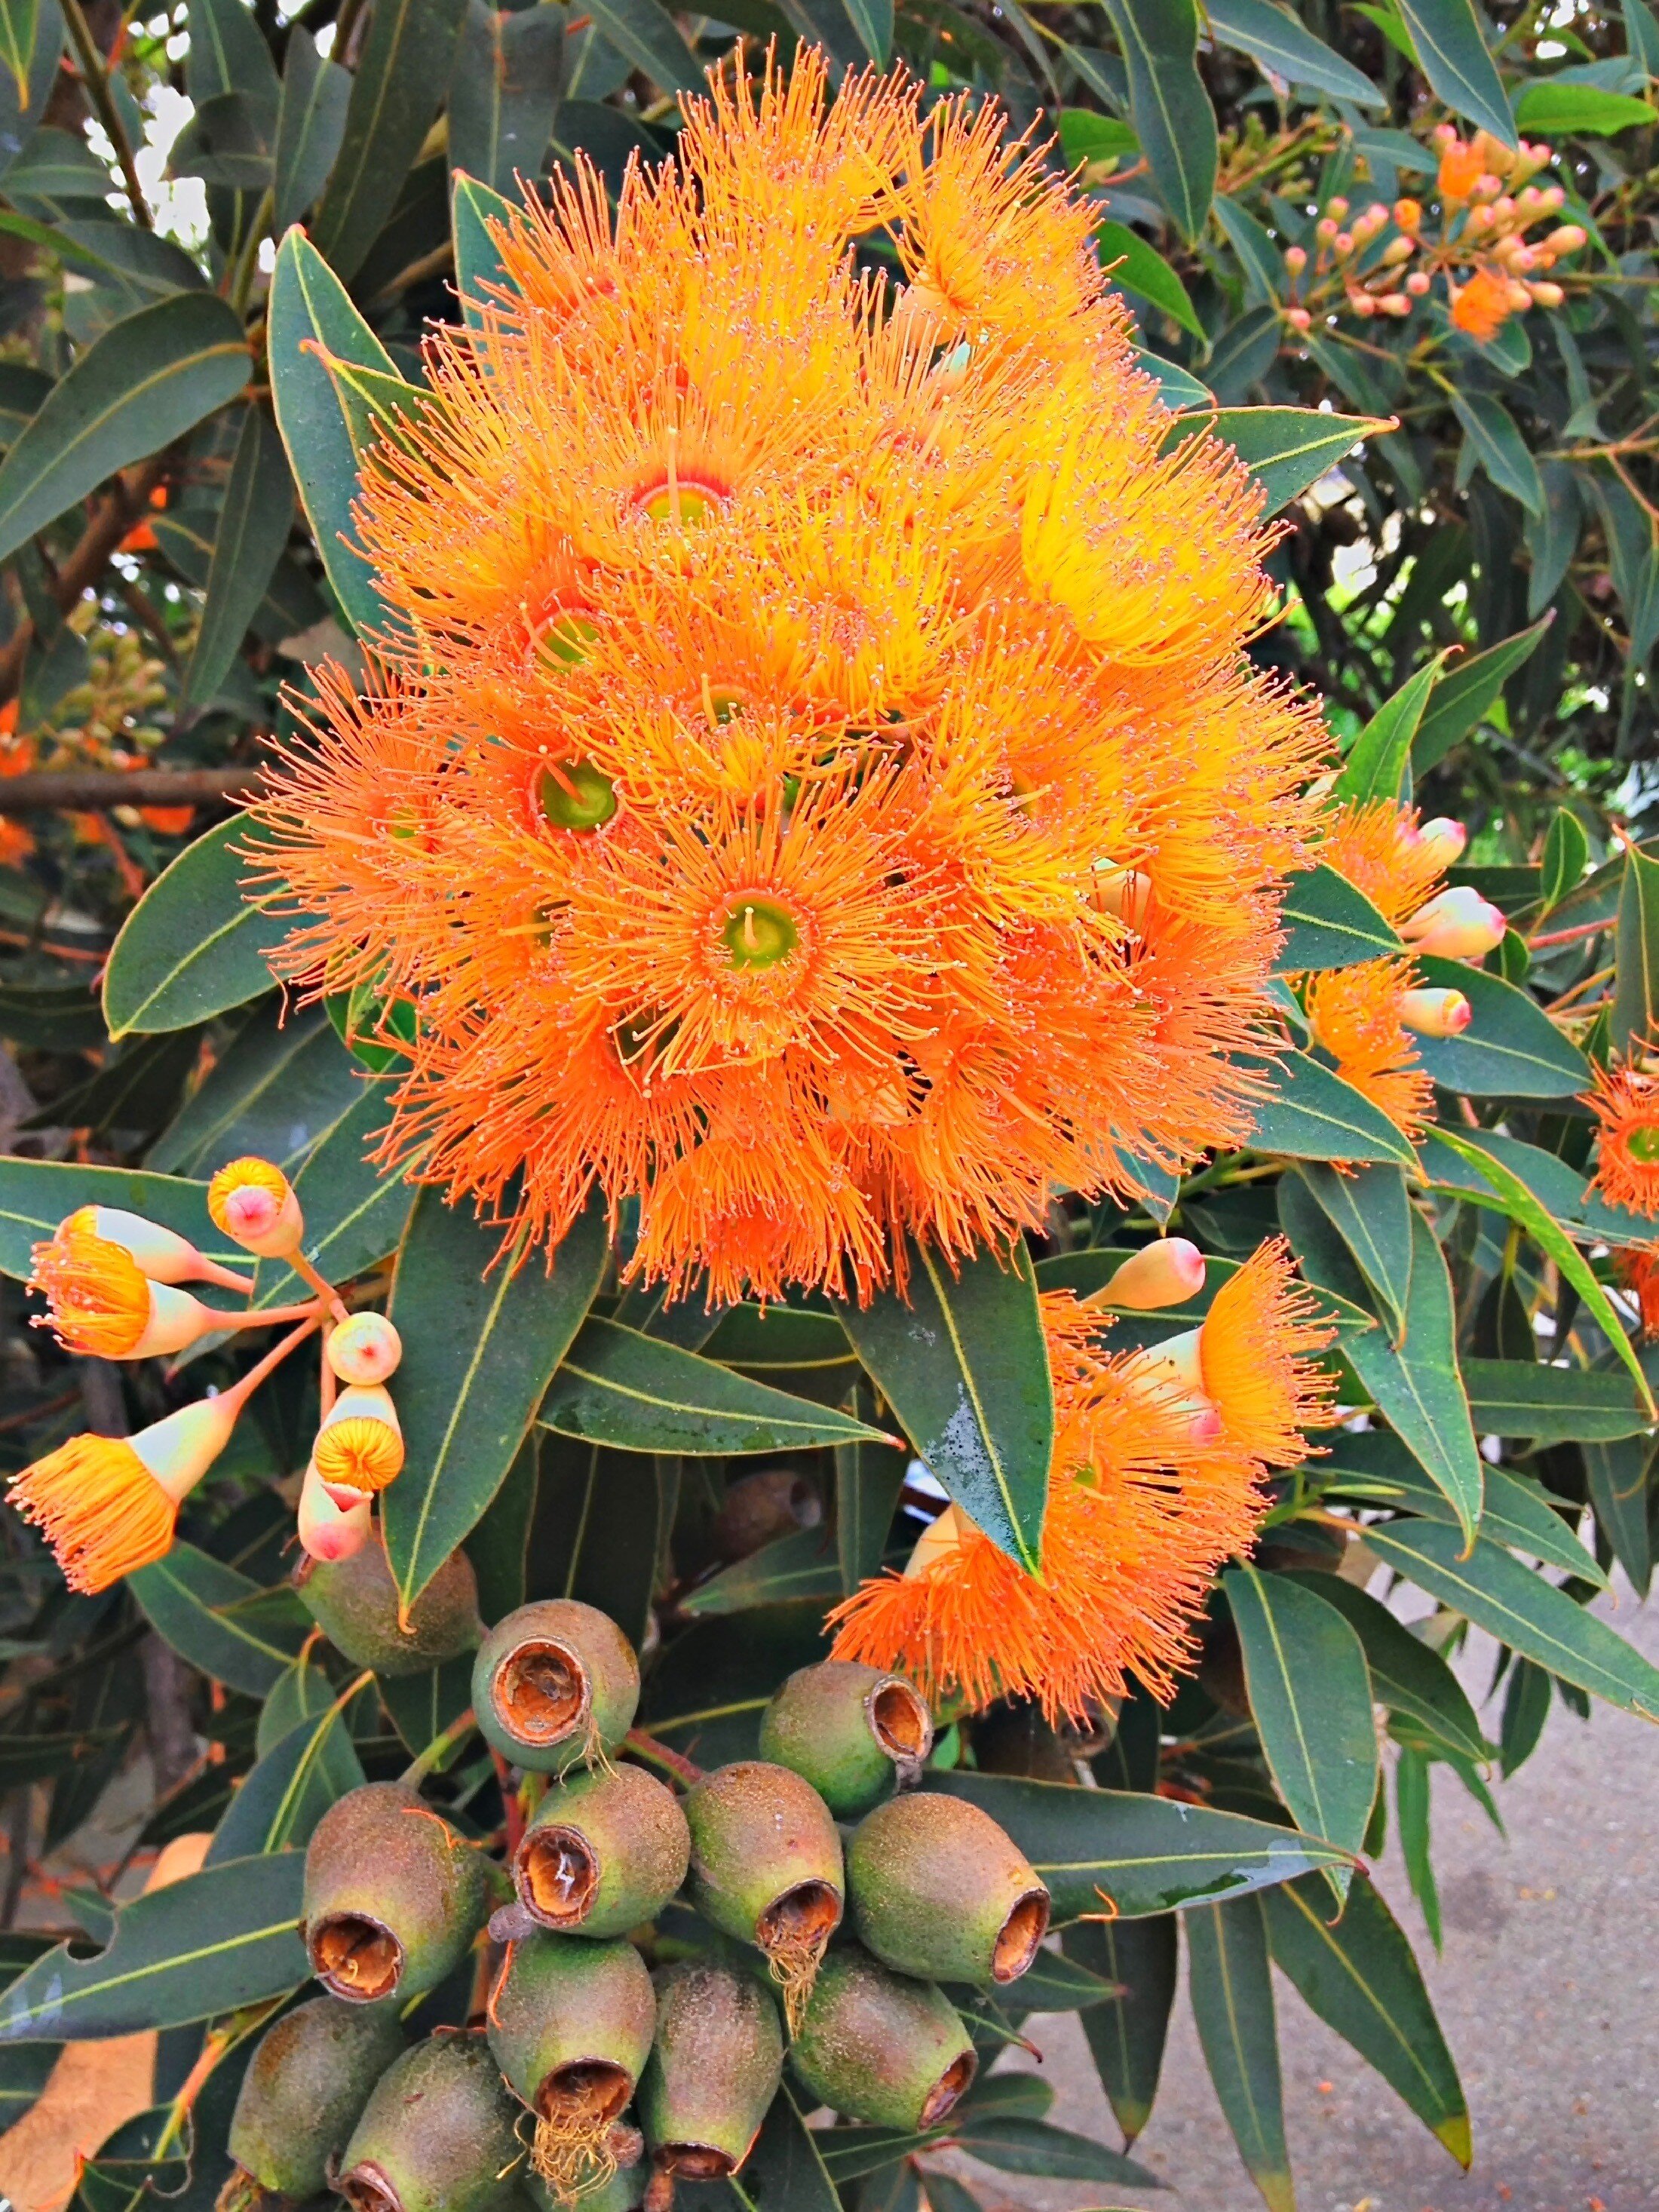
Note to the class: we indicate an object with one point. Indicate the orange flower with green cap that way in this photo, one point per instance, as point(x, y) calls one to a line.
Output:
point(1625, 1103)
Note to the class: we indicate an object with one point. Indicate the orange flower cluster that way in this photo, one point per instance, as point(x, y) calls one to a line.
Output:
point(1625, 1100)
point(1155, 1481)
point(810, 784)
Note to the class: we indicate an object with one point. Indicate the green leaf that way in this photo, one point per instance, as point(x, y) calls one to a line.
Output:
point(1274, 39)
point(1513, 1512)
point(1371, 1211)
point(1126, 2033)
point(1519, 1203)
point(1087, 136)
point(217, 1940)
point(1620, 1493)
point(1310, 1698)
point(617, 1387)
point(35, 1196)
point(308, 307)
point(1499, 447)
point(1168, 106)
point(499, 1546)
point(1262, 267)
point(353, 1210)
point(195, 945)
point(1446, 34)
point(1523, 1398)
point(868, 1480)
point(1141, 1853)
point(276, 1089)
point(396, 91)
point(802, 1565)
point(1134, 266)
point(782, 1341)
point(504, 92)
point(961, 1360)
point(873, 21)
point(1378, 764)
point(1359, 1975)
point(785, 2171)
point(1516, 1605)
point(422, 1707)
point(1013, 2143)
point(1510, 1049)
point(1179, 391)
point(1566, 856)
point(1408, 1676)
point(147, 380)
point(310, 125)
point(1465, 694)
point(1636, 995)
point(222, 1622)
point(1560, 111)
point(227, 52)
point(606, 1517)
point(1285, 449)
point(1056, 1982)
point(1230, 1985)
point(1329, 923)
point(481, 1344)
point(477, 257)
point(715, 1682)
point(31, 41)
point(227, 142)
point(652, 40)
point(253, 527)
point(282, 1799)
point(1310, 1113)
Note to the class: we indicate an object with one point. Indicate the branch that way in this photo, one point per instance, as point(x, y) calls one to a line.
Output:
point(115, 513)
point(98, 787)
point(94, 73)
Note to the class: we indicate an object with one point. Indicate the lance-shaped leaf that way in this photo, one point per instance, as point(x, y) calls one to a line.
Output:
point(652, 40)
point(1561, 109)
point(1566, 856)
point(220, 1620)
point(195, 945)
point(1378, 762)
point(354, 1210)
point(617, 1386)
point(217, 1940)
point(278, 1088)
point(802, 1565)
point(1126, 2033)
point(1230, 1985)
point(1516, 1513)
point(1272, 36)
point(1285, 449)
point(1408, 1676)
point(1172, 111)
point(504, 92)
point(35, 1196)
point(1101, 1848)
point(1510, 1049)
point(253, 527)
point(1357, 1973)
point(1310, 1696)
point(1310, 1113)
point(1496, 442)
point(147, 380)
point(708, 1702)
point(1464, 694)
point(1621, 1492)
point(1329, 923)
point(310, 124)
point(1446, 34)
point(308, 307)
point(602, 1528)
point(1636, 996)
point(1133, 266)
point(868, 1480)
point(481, 1341)
point(962, 1362)
point(280, 1800)
point(1517, 1606)
point(1371, 1211)
point(31, 41)
point(478, 267)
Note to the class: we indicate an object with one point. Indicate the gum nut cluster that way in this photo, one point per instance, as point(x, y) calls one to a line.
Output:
point(809, 783)
point(612, 2008)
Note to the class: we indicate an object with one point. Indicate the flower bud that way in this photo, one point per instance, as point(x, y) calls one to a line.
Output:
point(365, 1348)
point(878, 2047)
point(438, 2135)
point(1418, 283)
point(1298, 318)
point(1456, 924)
point(554, 1685)
point(1295, 259)
point(394, 1897)
point(1165, 1272)
point(1325, 229)
point(1408, 214)
point(714, 2069)
point(571, 2026)
point(1396, 250)
point(766, 1866)
point(606, 1850)
point(302, 2095)
point(1567, 239)
point(252, 1202)
point(158, 1253)
point(355, 1602)
point(940, 1891)
point(360, 1445)
point(851, 1731)
point(1436, 1013)
point(1442, 840)
point(1546, 295)
point(333, 1524)
point(1395, 303)
point(1338, 207)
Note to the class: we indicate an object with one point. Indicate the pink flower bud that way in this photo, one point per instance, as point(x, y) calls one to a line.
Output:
point(1164, 1273)
point(1394, 303)
point(1546, 295)
point(1338, 207)
point(1480, 218)
point(365, 1349)
point(1443, 839)
point(1342, 243)
point(1325, 229)
point(1456, 924)
point(1295, 259)
point(1362, 304)
point(1417, 282)
point(1298, 318)
point(1397, 250)
point(334, 1523)
point(1567, 239)
point(1436, 1013)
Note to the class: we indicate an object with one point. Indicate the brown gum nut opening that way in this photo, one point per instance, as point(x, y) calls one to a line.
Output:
point(950, 2087)
point(594, 2090)
point(542, 1692)
point(903, 1725)
point(354, 1957)
point(366, 2189)
point(695, 2161)
point(556, 1877)
point(1022, 1931)
point(802, 1919)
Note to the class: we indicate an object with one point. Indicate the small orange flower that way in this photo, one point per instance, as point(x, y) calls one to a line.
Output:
point(1638, 1270)
point(1483, 306)
point(107, 1505)
point(101, 1301)
point(1626, 1100)
point(1461, 168)
point(1356, 1016)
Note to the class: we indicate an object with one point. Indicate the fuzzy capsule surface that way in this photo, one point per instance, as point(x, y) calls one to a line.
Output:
point(305, 2091)
point(766, 1858)
point(853, 1732)
point(880, 2047)
point(555, 1683)
point(715, 2068)
point(606, 1849)
point(938, 1890)
point(354, 1602)
point(571, 2024)
point(438, 2135)
point(393, 1896)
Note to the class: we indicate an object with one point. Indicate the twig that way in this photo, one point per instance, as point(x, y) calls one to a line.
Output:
point(1568, 936)
point(658, 1754)
point(87, 787)
point(95, 75)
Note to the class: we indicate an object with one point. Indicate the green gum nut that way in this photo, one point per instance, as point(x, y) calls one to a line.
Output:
point(938, 1890)
point(606, 1850)
point(571, 2025)
point(621, 2192)
point(766, 1863)
point(714, 2069)
point(555, 1685)
point(439, 2134)
point(354, 1602)
point(878, 2047)
point(394, 1897)
point(853, 1732)
point(302, 2095)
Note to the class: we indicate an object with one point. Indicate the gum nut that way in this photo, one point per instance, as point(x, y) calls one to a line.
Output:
point(439, 2134)
point(393, 1896)
point(304, 2090)
point(759, 1508)
point(937, 1889)
point(714, 2069)
point(766, 1857)
point(355, 1602)
point(606, 1850)
point(853, 1732)
point(555, 1684)
point(879, 2047)
point(365, 1348)
point(571, 2025)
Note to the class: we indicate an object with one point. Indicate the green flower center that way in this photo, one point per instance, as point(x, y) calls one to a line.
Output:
point(758, 934)
point(1644, 1143)
point(686, 504)
point(574, 795)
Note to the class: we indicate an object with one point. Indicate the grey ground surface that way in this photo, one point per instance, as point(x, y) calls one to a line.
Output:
point(1548, 1991)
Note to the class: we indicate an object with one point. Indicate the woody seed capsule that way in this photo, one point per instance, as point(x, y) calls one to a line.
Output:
point(553, 1684)
point(852, 1731)
point(394, 1897)
point(606, 1850)
point(571, 2025)
point(879, 2047)
point(438, 2135)
point(302, 2095)
point(354, 1602)
point(766, 1866)
point(714, 2069)
point(937, 1889)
